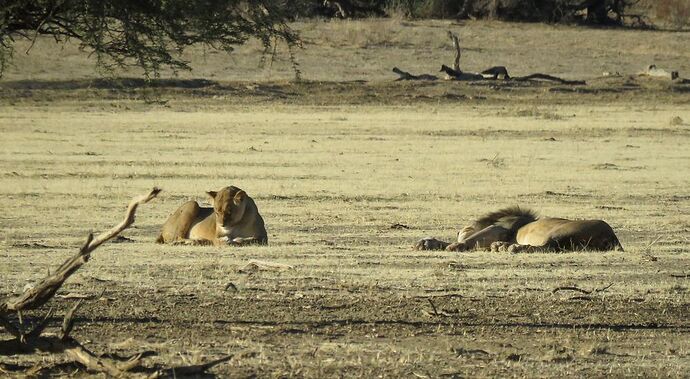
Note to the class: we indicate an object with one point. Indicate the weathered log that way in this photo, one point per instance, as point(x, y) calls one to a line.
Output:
point(404, 75)
point(550, 78)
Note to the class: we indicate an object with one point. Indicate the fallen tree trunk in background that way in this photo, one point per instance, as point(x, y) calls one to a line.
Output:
point(493, 73)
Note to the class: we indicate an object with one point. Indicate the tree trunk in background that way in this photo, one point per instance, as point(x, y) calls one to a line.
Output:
point(597, 12)
point(467, 7)
point(493, 12)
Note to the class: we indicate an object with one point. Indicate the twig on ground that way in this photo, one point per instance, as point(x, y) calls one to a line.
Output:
point(578, 289)
point(433, 307)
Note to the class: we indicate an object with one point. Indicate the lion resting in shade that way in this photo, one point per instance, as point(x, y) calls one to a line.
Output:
point(516, 230)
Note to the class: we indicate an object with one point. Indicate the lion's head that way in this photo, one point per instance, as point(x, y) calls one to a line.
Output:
point(229, 205)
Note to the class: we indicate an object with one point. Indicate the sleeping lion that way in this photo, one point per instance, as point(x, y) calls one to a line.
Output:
point(516, 230)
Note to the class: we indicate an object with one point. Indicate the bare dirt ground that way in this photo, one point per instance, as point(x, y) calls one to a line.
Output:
point(348, 175)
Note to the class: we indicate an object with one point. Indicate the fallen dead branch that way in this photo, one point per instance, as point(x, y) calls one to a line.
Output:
point(436, 312)
point(493, 73)
point(184, 371)
point(584, 291)
point(404, 75)
point(43, 291)
point(38, 295)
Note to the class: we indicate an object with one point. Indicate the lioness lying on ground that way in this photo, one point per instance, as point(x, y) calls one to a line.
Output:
point(519, 230)
point(233, 220)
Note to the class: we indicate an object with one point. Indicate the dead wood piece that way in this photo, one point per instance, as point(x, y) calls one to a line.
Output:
point(551, 78)
point(122, 239)
point(433, 306)
point(43, 291)
point(496, 73)
point(435, 311)
point(174, 372)
point(53, 344)
point(404, 75)
point(132, 363)
point(580, 298)
point(456, 45)
point(72, 349)
point(68, 320)
point(578, 289)
point(461, 351)
point(38, 329)
point(571, 288)
point(73, 295)
point(452, 74)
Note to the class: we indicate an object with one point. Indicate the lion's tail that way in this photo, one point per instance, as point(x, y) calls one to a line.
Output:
point(160, 239)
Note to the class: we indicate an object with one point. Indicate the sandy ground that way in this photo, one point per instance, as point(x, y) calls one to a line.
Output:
point(333, 168)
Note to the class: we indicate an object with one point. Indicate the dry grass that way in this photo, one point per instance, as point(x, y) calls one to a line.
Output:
point(347, 50)
point(330, 180)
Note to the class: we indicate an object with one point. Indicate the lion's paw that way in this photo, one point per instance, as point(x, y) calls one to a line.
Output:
point(500, 246)
point(457, 246)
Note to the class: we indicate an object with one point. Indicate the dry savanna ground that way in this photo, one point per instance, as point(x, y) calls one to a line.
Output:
point(348, 175)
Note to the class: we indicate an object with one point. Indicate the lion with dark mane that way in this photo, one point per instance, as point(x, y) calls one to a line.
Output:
point(516, 229)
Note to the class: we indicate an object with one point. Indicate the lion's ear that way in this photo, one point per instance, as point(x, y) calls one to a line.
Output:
point(239, 196)
point(212, 194)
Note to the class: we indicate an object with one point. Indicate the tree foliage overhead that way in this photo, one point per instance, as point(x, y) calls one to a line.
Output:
point(589, 11)
point(150, 34)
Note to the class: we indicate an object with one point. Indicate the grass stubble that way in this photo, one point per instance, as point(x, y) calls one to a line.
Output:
point(330, 181)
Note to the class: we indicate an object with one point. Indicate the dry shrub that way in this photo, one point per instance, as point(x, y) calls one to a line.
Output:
point(675, 12)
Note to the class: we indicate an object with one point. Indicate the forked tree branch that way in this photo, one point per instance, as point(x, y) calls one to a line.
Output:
point(62, 343)
point(44, 290)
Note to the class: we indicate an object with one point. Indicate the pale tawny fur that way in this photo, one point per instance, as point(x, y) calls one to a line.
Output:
point(233, 220)
point(517, 229)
